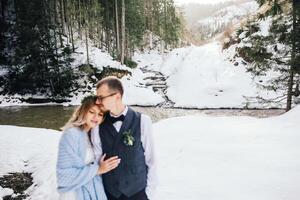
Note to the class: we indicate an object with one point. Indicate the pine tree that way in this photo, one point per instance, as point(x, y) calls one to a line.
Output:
point(38, 37)
point(276, 52)
point(296, 35)
point(37, 65)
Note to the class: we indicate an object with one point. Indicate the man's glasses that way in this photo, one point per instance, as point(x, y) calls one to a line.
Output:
point(100, 98)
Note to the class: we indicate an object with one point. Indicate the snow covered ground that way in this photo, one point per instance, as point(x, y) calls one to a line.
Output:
point(202, 77)
point(229, 158)
point(200, 157)
point(31, 150)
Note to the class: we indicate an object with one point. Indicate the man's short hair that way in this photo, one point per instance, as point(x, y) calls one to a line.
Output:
point(113, 83)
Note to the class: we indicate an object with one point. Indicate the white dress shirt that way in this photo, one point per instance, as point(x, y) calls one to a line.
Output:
point(147, 143)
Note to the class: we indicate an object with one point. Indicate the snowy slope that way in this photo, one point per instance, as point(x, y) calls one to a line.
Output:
point(254, 35)
point(134, 93)
point(224, 18)
point(220, 158)
point(196, 76)
point(97, 57)
point(199, 77)
point(202, 77)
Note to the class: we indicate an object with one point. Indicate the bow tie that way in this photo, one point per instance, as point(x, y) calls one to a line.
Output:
point(115, 119)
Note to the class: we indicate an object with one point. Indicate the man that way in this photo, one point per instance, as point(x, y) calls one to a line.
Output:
point(128, 135)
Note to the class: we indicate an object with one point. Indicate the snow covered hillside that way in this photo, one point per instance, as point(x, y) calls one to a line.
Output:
point(134, 93)
point(194, 76)
point(188, 77)
point(224, 18)
point(202, 77)
point(220, 158)
point(262, 46)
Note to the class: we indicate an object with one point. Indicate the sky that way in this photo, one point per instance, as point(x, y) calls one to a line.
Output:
point(180, 2)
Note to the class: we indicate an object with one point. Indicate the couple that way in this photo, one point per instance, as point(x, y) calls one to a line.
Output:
point(106, 150)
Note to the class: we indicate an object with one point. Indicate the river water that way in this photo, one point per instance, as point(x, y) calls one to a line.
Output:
point(54, 117)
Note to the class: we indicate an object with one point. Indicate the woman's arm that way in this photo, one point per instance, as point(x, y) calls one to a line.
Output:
point(71, 171)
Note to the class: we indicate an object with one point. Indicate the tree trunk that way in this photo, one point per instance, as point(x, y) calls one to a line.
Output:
point(107, 28)
point(296, 29)
point(290, 90)
point(150, 16)
point(79, 20)
point(3, 4)
point(72, 38)
point(117, 29)
point(123, 33)
point(87, 34)
point(60, 21)
point(61, 5)
point(72, 24)
point(292, 68)
point(165, 20)
point(87, 45)
point(151, 40)
point(54, 31)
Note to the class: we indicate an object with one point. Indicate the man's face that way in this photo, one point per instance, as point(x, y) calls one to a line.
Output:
point(107, 99)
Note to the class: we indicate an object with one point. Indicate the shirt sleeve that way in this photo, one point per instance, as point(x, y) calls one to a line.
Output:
point(150, 155)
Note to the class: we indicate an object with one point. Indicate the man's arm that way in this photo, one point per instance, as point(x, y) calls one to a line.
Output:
point(150, 155)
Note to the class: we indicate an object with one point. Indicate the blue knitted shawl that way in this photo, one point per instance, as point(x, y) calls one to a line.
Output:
point(71, 171)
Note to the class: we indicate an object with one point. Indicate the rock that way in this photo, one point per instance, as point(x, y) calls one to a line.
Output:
point(18, 182)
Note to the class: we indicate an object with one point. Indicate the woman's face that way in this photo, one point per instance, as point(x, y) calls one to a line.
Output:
point(93, 117)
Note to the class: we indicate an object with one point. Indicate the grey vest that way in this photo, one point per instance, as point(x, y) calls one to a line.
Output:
point(130, 176)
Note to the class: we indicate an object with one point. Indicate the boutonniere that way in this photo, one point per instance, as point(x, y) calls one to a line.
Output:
point(128, 139)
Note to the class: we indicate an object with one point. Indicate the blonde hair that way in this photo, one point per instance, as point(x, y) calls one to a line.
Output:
point(78, 117)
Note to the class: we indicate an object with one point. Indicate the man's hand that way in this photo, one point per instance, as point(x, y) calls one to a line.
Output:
point(109, 164)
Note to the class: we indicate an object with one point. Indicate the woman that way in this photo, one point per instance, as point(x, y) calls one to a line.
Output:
point(77, 169)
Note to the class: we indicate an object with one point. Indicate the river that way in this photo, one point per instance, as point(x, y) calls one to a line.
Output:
point(54, 117)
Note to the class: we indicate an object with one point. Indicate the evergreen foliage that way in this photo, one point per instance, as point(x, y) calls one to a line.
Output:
point(37, 38)
point(278, 52)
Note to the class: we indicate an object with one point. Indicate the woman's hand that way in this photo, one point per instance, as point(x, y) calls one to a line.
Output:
point(109, 164)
